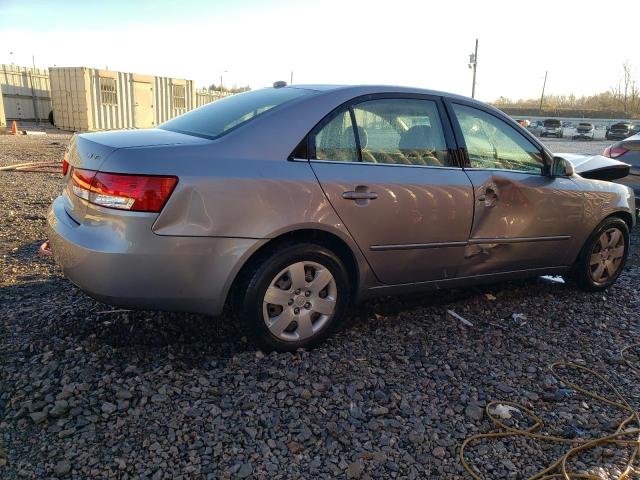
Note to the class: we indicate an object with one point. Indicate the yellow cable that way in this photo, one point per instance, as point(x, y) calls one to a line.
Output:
point(558, 469)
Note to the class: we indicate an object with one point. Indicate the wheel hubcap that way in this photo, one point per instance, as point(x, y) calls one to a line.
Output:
point(299, 301)
point(606, 255)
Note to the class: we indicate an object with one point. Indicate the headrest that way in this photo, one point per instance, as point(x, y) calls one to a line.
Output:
point(416, 138)
point(364, 137)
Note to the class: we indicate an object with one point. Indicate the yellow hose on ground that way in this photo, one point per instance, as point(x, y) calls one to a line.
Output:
point(558, 469)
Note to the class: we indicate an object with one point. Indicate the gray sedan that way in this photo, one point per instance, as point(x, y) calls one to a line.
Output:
point(288, 204)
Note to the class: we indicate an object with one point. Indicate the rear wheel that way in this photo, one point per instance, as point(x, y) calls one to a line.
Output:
point(295, 297)
point(603, 256)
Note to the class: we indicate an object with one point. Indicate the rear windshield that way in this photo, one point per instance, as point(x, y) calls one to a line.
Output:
point(587, 125)
point(219, 117)
point(621, 126)
point(552, 123)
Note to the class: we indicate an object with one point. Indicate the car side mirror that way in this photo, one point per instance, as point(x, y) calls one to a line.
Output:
point(562, 167)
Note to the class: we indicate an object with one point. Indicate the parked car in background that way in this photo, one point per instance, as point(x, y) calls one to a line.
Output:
point(288, 204)
point(567, 124)
point(628, 151)
point(619, 131)
point(584, 130)
point(535, 127)
point(552, 127)
point(523, 123)
point(636, 128)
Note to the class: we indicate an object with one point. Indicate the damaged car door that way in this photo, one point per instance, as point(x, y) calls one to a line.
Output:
point(384, 164)
point(524, 218)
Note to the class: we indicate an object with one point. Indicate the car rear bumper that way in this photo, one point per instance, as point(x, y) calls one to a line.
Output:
point(116, 258)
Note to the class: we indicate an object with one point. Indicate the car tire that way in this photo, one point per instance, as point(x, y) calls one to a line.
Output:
point(287, 277)
point(598, 265)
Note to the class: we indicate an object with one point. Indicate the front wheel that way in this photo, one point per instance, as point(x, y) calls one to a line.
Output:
point(295, 297)
point(603, 256)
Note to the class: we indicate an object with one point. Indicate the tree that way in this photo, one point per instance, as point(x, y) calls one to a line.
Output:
point(624, 98)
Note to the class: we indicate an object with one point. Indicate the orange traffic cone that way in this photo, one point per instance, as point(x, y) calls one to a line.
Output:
point(14, 128)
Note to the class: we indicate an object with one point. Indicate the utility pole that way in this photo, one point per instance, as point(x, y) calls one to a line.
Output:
point(221, 87)
point(544, 84)
point(33, 90)
point(473, 63)
point(291, 79)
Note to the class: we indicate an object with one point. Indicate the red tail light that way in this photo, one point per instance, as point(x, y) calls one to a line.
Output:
point(65, 167)
point(138, 193)
point(614, 152)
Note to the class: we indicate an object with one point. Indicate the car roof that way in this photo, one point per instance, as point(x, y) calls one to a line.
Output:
point(357, 90)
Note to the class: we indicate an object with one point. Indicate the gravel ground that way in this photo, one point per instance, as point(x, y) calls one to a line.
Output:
point(85, 393)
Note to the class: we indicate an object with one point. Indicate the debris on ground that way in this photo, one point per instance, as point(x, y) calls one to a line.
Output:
point(552, 278)
point(503, 411)
point(460, 318)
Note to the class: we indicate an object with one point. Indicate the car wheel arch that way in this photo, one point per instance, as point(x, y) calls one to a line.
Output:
point(624, 216)
point(316, 236)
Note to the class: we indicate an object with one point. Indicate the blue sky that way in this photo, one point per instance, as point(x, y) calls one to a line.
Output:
point(406, 42)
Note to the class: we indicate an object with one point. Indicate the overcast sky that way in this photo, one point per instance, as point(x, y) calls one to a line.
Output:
point(416, 43)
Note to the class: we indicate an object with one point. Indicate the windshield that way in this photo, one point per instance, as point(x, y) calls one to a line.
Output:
point(220, 117)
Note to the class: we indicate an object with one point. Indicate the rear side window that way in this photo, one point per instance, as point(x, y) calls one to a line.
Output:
point(217, 118)
point(398, 131)
point(401, 131)
point(336, 140)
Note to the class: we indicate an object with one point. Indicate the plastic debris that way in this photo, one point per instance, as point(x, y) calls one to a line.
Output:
point(504, 411)
point(460, 318)
point(553, 278)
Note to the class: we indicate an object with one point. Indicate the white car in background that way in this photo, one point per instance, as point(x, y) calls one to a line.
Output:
point(585, 131)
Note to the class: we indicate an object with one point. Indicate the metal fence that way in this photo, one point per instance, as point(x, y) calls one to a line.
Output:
point(25, 93)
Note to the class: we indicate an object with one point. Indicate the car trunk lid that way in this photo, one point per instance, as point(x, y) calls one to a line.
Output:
point(91, 151)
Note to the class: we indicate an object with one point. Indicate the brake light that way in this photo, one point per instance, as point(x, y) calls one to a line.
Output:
point(614, 152)
point(65, 167)
point(138, 193)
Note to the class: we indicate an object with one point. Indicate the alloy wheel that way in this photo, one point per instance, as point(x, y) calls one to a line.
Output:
point(300, 301)
point(607, 255)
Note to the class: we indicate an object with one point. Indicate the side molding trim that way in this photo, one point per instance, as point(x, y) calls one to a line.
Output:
point(472, 241)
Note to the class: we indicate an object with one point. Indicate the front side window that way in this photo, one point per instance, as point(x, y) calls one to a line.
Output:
point(336, 140)
point(401, 131)
point(492, 143)
point(108, 92)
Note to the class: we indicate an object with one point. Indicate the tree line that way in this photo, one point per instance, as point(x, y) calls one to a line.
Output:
point(234, 89)
point(621, 100)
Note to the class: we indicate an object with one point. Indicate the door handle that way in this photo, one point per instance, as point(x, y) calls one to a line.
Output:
point(356, 195)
